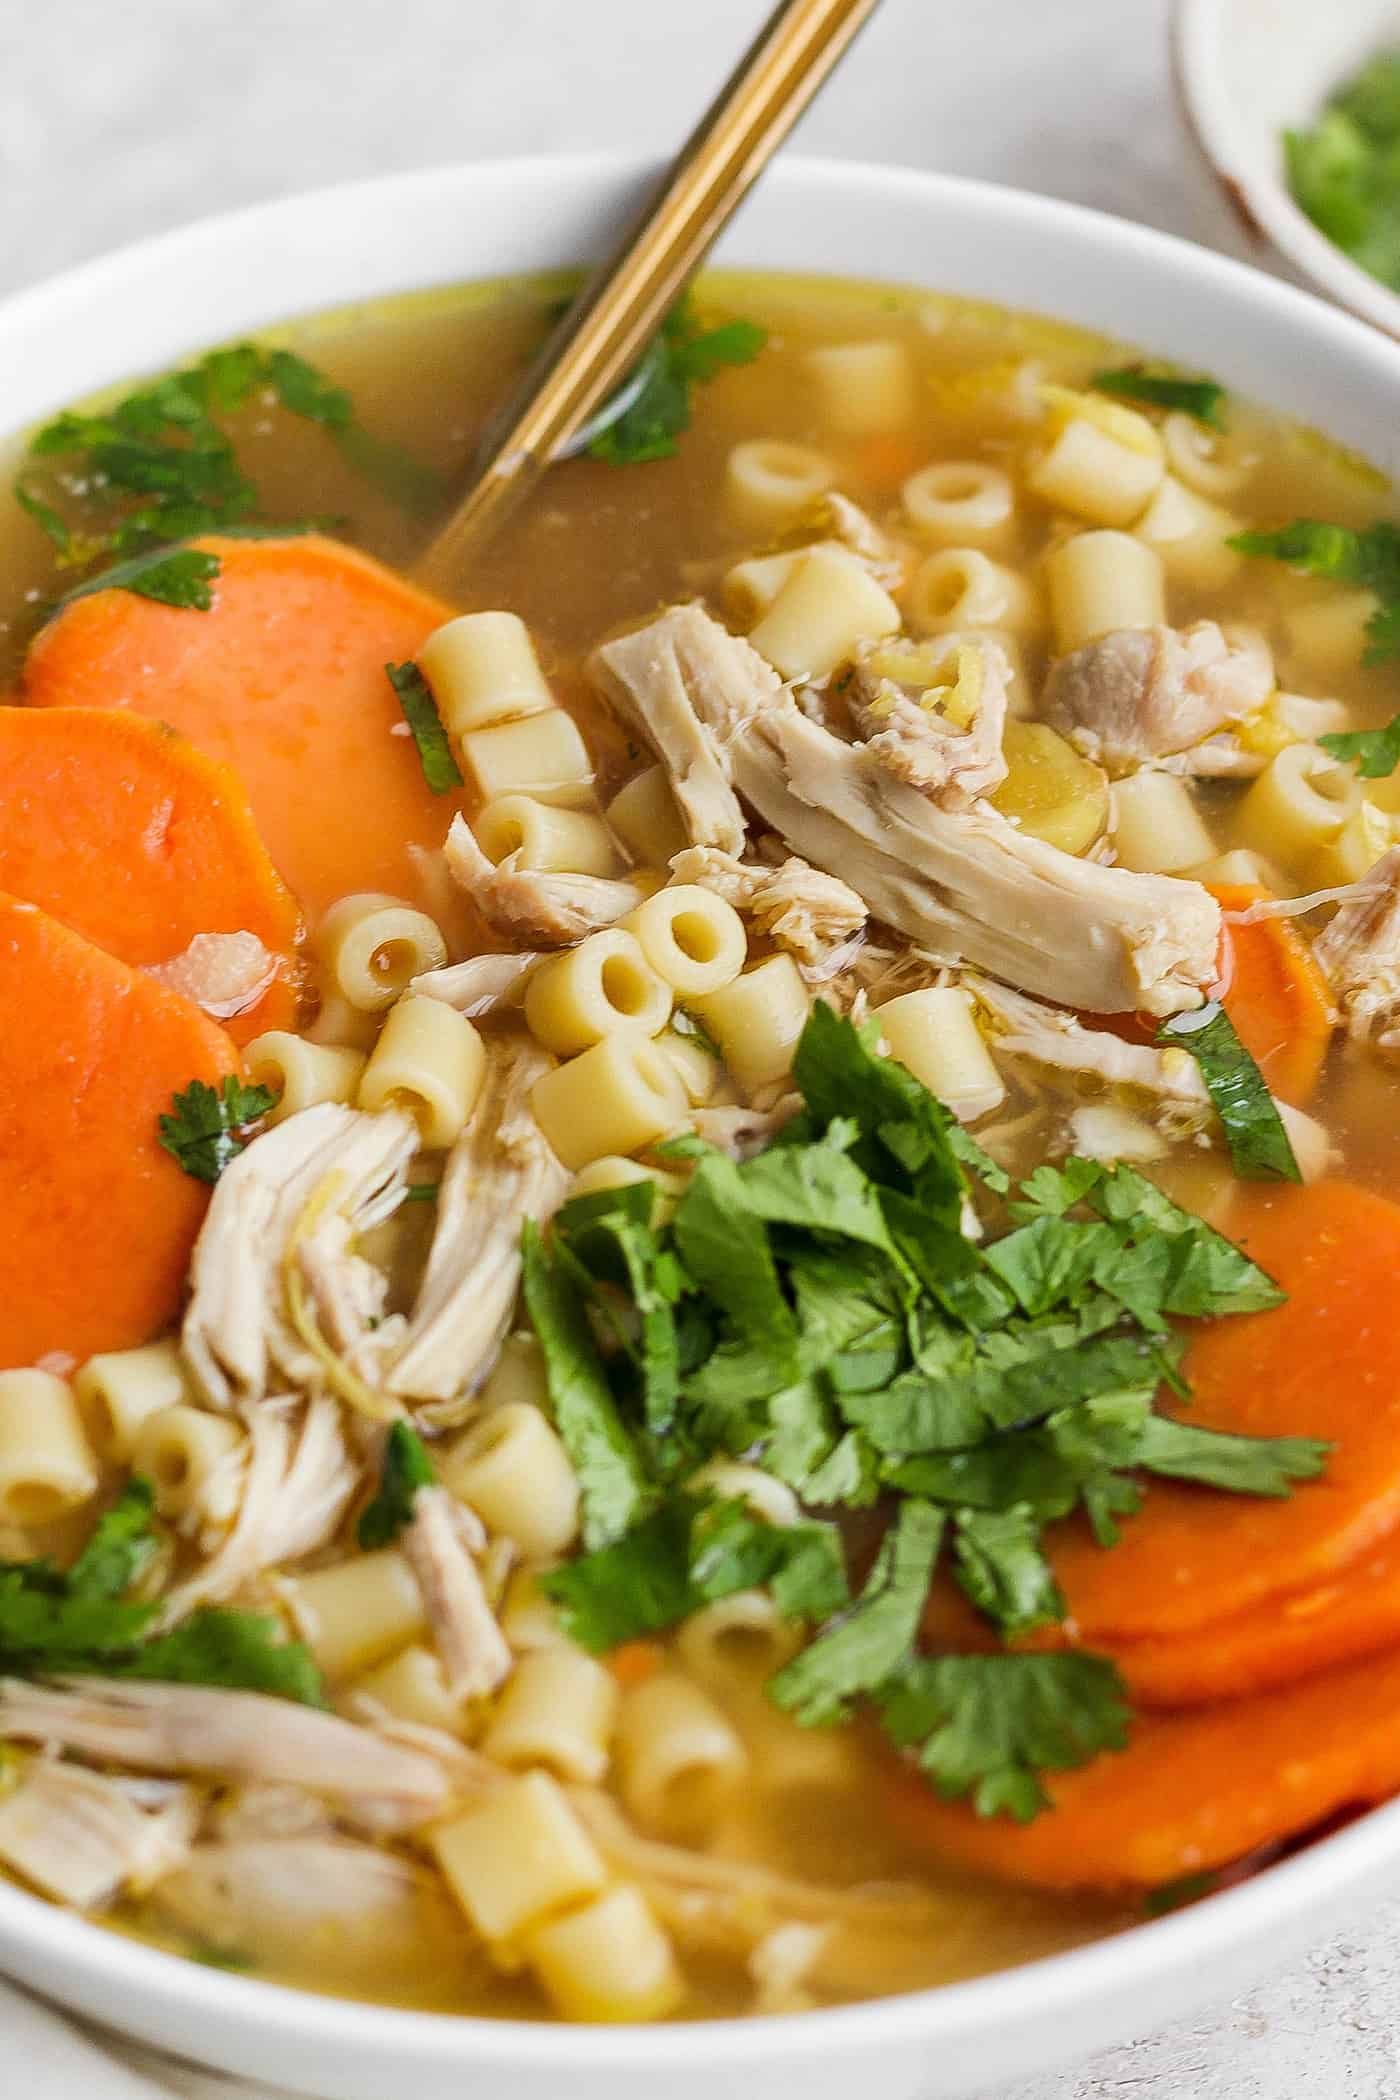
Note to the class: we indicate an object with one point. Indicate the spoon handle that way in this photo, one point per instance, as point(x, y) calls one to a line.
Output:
point(625, 300)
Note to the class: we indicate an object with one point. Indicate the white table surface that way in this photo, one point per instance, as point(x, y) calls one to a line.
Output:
point(120, 117)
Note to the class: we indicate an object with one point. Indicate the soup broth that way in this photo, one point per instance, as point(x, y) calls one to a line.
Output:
point(701, 1848)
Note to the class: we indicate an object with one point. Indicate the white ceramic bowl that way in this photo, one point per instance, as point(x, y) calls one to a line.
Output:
point(149, 306)
point(1247, 70)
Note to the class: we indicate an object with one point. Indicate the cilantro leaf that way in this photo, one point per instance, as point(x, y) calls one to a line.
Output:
point(1000, 1567)
point(180, 578)
point(415, 696)
point(406, 1467)
point(122, 1546)
point(877, 1635)
point(1376, 751)
point(611, 1481)
point(1246, 1465)
point(1259, 1145)
point(904, 1140)
point(684, 1023)
point(988, 1725)
point(681, 357)
point(687, 1554)
point(1201, 398)
point(1367, 557)
point(42, 1626)
point(243, 1651)
point(611, 1239)
point(724, 1246)
point(202, 1133)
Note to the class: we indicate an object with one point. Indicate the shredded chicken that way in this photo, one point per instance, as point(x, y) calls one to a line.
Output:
point(743, 1131)
point(781, 1967)
point(810, 913)
point(904, 728)
point(83, 1837)
point(500, 1173)
point(276, 1288)
point(1168, 1080)
point(483, 984)
point(857, 532)
point(1143, 692)
point(379, 1911)
point(964, 884)
point(670, 685)
point(469, 1642)
point(235, 1735)
point(297, 1476)
point(523, 904)
point(1359, 954)
point(225, 973)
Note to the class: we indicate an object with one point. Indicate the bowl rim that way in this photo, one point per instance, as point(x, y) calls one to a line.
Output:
point(1263, 204)
point(58, 1944)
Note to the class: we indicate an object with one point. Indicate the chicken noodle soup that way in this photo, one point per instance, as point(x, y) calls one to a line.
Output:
point(693, 1303)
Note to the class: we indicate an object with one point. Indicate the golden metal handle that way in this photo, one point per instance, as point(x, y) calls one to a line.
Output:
point(625, 301)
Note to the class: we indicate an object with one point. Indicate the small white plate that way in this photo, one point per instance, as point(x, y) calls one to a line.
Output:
point(1246, 71)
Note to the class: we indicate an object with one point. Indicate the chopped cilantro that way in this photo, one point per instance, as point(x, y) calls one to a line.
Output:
point(86, 1621)
point(611, 1481)
point(1367, 558)
point(1259, 1144)
point(1376, 751)
point(422, 1192)
point(685, 1023)
point(415, 696)
point(406, 1468)
point(876, 1637)
point(1201, 398)
point(688, 1553)
point(819, 1311)
point(684, 355)
point(1343, 169)
point(203, 1133)
point(989, 1725)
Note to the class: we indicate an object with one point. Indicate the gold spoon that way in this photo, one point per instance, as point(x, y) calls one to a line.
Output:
point(624, 302)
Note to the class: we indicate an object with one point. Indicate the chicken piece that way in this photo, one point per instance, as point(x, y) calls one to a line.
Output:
point(962, 884)
point(224, 973)
point(469, 1642)
point(853, 529)
point(483, 984)
point(289, 1900)
point(1167, 1082)
point(83, 1837)
point(809, 913)
point(279, 1234)
point(501, 1172)
point(743, 1131)
point(1143, 692)
point(907, 728)
point(670, 684)
point(1359, 955)
point(297, 1479)
point(233, 1735)
point(522, 904)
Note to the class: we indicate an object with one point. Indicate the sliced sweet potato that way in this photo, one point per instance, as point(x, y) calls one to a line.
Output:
point(128, 834)
point(1275, 994)
point(1193, 1791)
point(98, 1220)
point(1326, 1364)
point(283, 679)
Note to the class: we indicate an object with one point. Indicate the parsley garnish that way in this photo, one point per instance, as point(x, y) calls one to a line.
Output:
point(1367, 558)
point(204, 1131)
point(86, 1620)
point(406, 1468)
point(818, 1309)
point(1259, 1144)
point(1201, 398)
point(684, 355)
point(440, 768)
point(1376, 751)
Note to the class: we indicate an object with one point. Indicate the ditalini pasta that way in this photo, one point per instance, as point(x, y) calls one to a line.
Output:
point(696, 1252)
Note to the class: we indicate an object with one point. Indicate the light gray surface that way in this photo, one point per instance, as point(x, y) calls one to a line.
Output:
point(120, 117)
